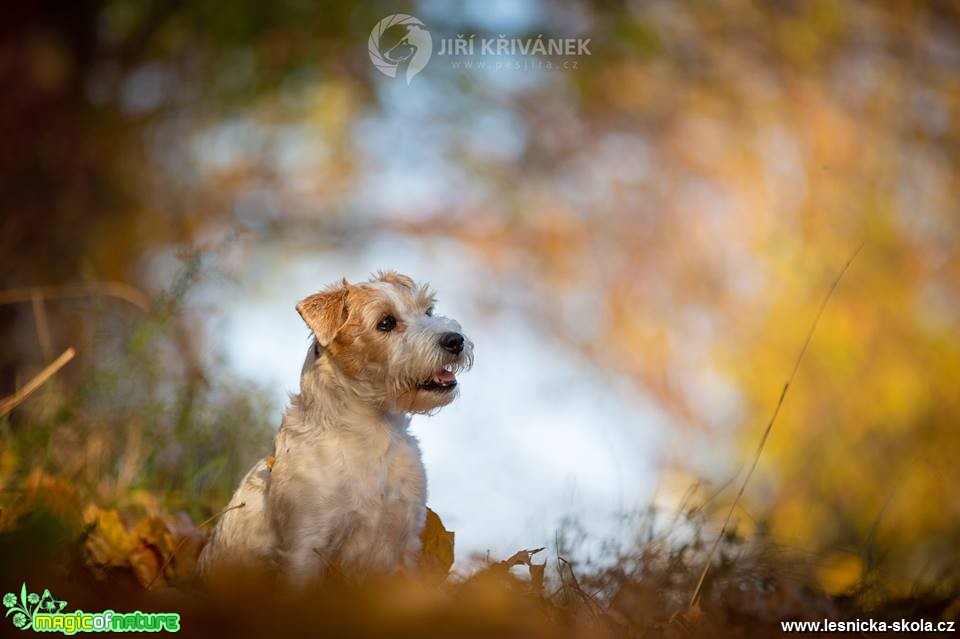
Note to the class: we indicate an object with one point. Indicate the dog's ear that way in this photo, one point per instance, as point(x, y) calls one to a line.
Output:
point(325, 313)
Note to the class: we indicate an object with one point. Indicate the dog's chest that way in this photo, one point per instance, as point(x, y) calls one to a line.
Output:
point(363, 471)
point(356, 497)
point(378, 470)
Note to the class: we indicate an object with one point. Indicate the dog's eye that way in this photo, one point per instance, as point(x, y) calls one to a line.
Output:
point(430, 312)
point(387, 324)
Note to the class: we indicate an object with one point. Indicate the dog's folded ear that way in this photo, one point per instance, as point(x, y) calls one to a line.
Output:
point(325, 313)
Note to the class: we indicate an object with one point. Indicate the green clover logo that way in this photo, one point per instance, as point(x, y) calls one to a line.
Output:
point(29, 604)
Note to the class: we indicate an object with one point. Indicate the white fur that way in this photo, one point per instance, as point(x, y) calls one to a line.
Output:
point(347, 486)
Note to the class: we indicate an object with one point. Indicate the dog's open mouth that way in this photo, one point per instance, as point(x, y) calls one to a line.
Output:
point(442, 382)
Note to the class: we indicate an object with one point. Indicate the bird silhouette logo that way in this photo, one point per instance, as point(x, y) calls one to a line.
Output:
point(400, 46)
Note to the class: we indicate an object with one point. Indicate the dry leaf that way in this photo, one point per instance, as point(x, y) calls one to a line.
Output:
point(107, 544)
point(521, 557)
point(437, 543)
point(145, 562)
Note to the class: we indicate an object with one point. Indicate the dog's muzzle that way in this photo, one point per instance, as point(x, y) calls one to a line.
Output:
point(445, 379)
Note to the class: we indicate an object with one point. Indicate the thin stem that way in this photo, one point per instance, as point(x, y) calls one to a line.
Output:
point(9, 403)
point(766, 432)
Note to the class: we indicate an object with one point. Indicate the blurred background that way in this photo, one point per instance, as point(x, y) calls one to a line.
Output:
point(637, 243)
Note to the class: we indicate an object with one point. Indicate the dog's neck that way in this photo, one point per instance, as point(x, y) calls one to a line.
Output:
point(328, 398)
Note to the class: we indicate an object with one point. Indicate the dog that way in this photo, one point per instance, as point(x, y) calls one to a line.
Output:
point(345, 488)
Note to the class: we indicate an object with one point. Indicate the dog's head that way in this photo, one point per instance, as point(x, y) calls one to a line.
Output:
point(383, 337)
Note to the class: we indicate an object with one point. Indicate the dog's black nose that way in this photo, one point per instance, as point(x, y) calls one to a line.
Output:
point(452, 342)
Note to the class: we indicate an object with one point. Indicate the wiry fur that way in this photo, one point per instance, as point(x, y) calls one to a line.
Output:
point(346, 487)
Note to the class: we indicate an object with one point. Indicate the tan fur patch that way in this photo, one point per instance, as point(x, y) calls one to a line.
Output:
point(395, 278)
point(325, 313)
point(423, 294)
point(357, 343)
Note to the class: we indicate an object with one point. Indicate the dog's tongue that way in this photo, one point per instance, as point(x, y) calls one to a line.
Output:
point(445, 377)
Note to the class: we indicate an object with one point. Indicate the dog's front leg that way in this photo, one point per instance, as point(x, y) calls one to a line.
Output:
point(305, 564)
point(416, 518)
point(307, 545)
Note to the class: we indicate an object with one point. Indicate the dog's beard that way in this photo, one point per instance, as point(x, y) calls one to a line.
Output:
point(418, 400)
point(427, 388)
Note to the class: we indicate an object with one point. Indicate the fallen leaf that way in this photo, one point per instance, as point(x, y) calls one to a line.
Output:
point(108, 544)
point(437, 547)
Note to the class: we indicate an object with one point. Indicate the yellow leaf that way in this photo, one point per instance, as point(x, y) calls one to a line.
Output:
point(108, 544)
point(839, 572)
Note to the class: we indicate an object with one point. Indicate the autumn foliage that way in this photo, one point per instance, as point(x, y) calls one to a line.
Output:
point(669, 214)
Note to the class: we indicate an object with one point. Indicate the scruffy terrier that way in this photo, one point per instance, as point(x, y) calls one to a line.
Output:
point(345, 488)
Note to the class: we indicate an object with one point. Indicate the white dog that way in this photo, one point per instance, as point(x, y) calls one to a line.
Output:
point(345, 487)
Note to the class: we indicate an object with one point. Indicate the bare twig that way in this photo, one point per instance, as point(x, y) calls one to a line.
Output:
point(716, 493)
point(595, 608)
point(681, 507)
point(869, 559)
point(40, 322)
point(9, 403)
point(563, 586)
point(119, 290)
point(179, 545)
point(769, 427)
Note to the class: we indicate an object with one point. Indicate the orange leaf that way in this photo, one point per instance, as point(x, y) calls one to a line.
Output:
point(437, 543)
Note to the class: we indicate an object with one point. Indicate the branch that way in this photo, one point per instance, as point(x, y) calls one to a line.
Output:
point(118, 290)
point(9, 403)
